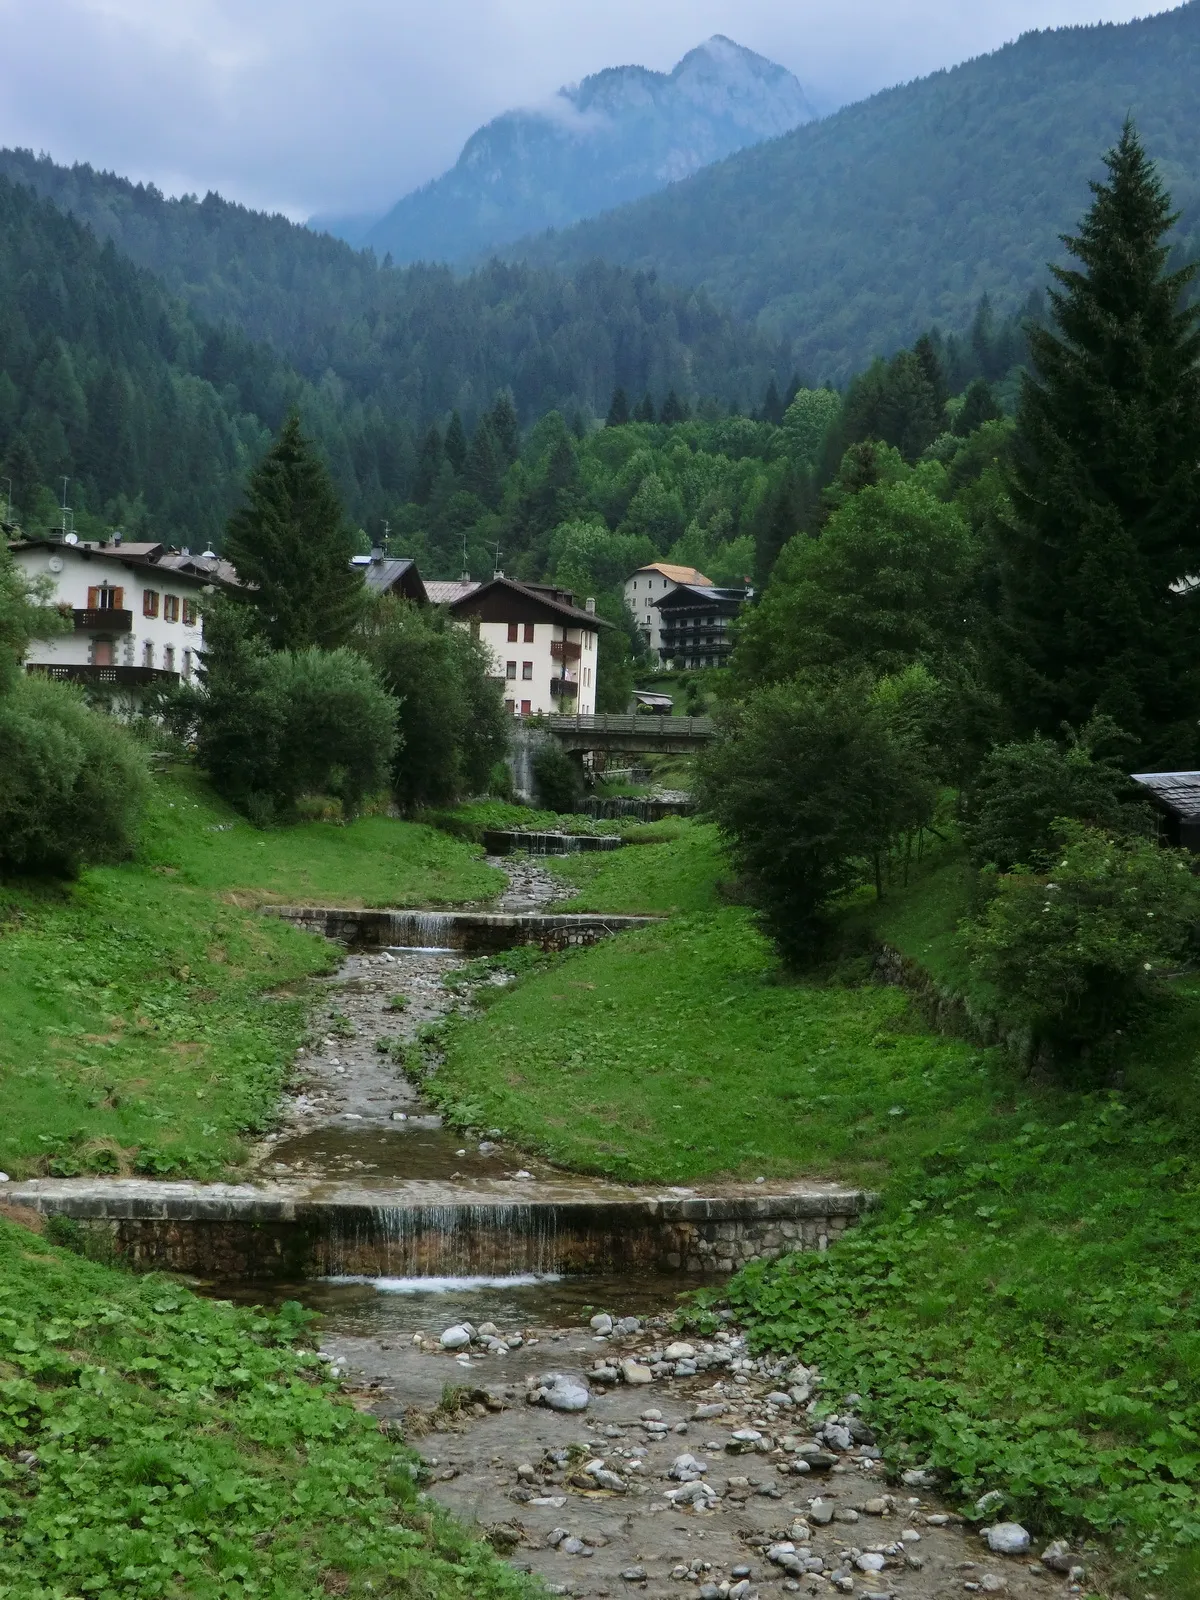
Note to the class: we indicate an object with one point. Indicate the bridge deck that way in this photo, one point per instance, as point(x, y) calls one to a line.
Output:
point(668, 735)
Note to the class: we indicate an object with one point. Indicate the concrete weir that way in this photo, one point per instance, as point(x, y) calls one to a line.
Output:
point(292, 1230)
point(474, 932)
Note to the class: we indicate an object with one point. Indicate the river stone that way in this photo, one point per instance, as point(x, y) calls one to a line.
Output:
point(1007, 1539)
point(816, 1459)
point(628, 1325)
point(605, 1477)
point(456, 1337)
point(709, 1591)
point(556, 1536)
point(820, 1512)
point(685, 1369)
point(1057, 1556)
point(877, 1506)
point(869, 1561)
point(836, 1436)
point(686, 1469)
point(705, 1412)
point(989, 1503)
point(634, 1574)
point(634, 1372)
point(564, 1393)
point(993, 1583)
point(601, 1323)
point(743, 1439)
point(778, 1398)
point(572, 1547)
point(679, 1352)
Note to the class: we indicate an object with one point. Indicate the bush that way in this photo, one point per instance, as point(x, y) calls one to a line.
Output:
point(452, 723)
point(1024, 787)
point(557, 778)
point(810, 787)
point(271, 726)
point(72, 781)
point(1074, 957)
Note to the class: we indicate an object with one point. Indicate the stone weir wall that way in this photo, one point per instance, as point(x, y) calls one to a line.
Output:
point(418, 1229)
point(474, 932)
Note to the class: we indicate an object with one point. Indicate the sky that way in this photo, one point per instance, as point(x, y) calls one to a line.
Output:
point(340, 106)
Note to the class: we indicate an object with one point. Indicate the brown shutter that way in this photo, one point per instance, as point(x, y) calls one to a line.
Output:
point(118, 600)
point(93, 599)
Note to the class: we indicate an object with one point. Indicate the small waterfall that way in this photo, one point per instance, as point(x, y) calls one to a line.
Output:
point(508, 842)
point(421, 930)
point(609, 807)
point(443, 1241)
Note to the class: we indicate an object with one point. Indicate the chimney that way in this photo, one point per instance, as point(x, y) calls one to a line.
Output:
point(376, 555)
point(117, 539)
point(589, 605)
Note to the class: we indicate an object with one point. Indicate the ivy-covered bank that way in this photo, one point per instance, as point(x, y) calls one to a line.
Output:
point(155, 1445)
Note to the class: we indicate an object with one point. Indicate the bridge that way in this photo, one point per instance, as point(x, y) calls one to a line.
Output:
point(634, 735)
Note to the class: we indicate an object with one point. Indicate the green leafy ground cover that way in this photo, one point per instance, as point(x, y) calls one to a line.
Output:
point(187, 1448)
point(1019, 1311)
point(147, 1018)
point(666, 867)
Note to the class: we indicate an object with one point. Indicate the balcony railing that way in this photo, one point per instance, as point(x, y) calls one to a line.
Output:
point(563, 688)
point(102, 621)
point(131, 677)
point(564, 650)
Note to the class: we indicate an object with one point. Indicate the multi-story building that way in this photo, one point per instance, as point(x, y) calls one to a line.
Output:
point(135, 608)
point(694, 624)
point(647, 586)
point(544, 647)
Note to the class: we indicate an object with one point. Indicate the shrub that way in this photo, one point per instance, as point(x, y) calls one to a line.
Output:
point(452, 723)
point(271, 726)
point(809, 785)
point(72, 781)
point(556, 777)
point(1023, 787)
point(1074, 956)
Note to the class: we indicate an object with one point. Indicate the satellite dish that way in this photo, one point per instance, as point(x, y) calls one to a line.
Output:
point(55, 563)
point(70, 538)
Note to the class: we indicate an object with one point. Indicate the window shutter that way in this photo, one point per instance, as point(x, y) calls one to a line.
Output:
point(118, 600)
point(93, 598)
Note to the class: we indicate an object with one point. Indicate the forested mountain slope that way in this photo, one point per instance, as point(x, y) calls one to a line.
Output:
point(619, 134)
point(850, 235)
point(417, 343)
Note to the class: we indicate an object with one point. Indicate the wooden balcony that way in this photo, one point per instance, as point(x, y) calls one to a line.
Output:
point(563, 688)
point(102, 621)
point(127, 677)
point(564, 650)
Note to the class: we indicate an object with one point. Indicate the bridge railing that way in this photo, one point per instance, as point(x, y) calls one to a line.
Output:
point(647, 726)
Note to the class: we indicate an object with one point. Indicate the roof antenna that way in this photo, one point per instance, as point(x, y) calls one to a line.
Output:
point(66, 511)
point(465, 575)
point(496, 572)
point(387, 528)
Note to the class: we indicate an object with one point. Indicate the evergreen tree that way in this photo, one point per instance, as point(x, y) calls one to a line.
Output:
point(772, 406)
point(455, 446)
point(618, 411)
point(1106, 485)
point(292, 543)
point(931, 366)
point(482, 471)
point(21, 467)
point(429, 464)
point(645, 409)
point(979, 406)
point(673, 409)
point(506, 429)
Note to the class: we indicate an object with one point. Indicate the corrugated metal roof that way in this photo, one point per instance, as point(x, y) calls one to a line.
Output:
point(1178, 791)
point(445, 591)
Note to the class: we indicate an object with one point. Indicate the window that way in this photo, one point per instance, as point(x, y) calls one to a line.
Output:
point(187, 663)
point(526, 707)
point(512, 633)
point(189, 613)
point(527, 670)
point(147, 654)
point(149, 602)
point(511, 707)
point(510, 669)
point(169, 657)
point(529, 633)
point(170, 608)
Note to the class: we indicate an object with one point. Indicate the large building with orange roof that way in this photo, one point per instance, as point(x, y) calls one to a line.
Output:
point(648, 586)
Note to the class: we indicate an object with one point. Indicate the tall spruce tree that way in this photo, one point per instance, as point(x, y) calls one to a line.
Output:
point(1094, 617)
point(618, 411)
point(455, 445)
point(292, 542)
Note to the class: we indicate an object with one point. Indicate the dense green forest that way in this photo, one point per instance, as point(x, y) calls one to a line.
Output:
point(419, 342)
point(849, 236)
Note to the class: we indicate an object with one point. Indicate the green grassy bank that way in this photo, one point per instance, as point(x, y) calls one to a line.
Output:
point(181, 1447)
point(1021, 1310)
point(148, 1013)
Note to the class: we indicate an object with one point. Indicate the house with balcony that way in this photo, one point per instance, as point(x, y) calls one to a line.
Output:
point(544, 647)
point(647, 586)
point(135, 608)
point(694, 624)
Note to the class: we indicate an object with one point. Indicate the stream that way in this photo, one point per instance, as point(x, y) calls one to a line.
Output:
point(693, 1471)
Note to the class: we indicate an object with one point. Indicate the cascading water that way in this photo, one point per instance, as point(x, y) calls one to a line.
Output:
point(444, 1241)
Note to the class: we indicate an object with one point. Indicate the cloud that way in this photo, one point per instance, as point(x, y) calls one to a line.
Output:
point(343, 105)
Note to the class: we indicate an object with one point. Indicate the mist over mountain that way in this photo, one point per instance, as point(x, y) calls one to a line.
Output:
point(851, 235)
point(620, 134)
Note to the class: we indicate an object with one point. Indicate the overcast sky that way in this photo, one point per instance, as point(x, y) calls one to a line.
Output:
point(341, 105)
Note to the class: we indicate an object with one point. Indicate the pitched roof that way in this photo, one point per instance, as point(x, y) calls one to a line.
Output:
point(207, 568)
point(692, 593)
point(1177, 791)
point(677, 574)
point(445, 591)
point(538, 594)
point(382, 574)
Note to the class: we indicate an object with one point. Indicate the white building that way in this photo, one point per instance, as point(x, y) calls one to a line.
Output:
point(543, 647)
point(135, 608)
point(647, 587)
